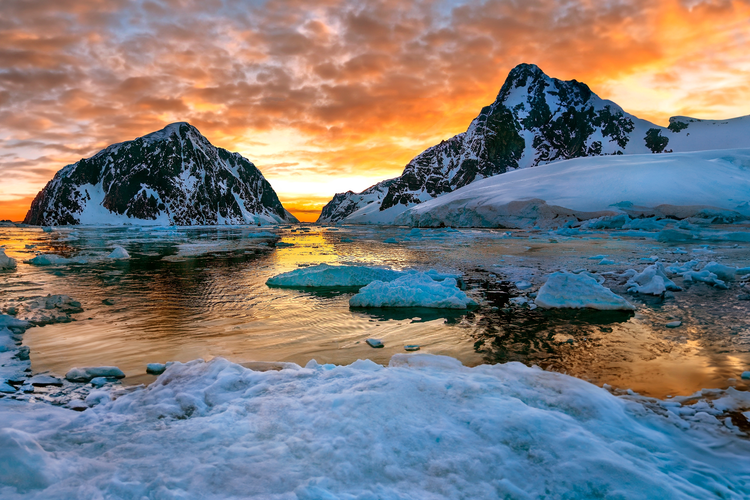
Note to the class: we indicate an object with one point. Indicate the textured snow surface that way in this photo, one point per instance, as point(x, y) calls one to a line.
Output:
point(425, 427)
point(578, 291)
point(412, 290)
point(327, 276)
point(587, 188)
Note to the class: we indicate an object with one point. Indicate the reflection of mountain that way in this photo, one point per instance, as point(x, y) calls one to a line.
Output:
point(535, 120)
point(171, 177)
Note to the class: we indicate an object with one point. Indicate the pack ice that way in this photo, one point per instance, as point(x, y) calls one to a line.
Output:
point(423, 427)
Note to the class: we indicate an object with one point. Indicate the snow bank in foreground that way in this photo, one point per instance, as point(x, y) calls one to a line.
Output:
point(327, 276)
point(587, 188)
point(578, 291)
point(424, 427)
point(412, 290)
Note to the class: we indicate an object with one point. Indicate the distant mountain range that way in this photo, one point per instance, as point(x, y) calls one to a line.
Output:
point(535, 120)
point(173, 177)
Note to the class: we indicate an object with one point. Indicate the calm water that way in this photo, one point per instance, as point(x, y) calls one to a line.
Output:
point(200, 292)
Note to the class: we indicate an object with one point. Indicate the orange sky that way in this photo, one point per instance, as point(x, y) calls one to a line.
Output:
point(335, 95)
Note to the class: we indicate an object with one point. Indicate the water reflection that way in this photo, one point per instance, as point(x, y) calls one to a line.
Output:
point(155, 307)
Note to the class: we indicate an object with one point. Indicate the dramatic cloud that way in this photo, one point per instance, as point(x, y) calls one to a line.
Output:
point(334, 95)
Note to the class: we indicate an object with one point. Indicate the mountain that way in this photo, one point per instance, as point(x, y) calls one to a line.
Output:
point(344, 204)
point(536, 120)
point(174, 176)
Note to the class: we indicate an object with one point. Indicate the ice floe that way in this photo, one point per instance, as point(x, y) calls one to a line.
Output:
point(412, 290)
point(328, 276)
point(577, 291)
point(119, 253)
point(652, 281)
point(50, 259)
point(5, 261)
point(90, 372)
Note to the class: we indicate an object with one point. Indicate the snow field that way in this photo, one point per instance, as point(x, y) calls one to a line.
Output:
point(424, 427)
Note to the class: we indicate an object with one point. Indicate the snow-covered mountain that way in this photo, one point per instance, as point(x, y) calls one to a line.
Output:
point(344, 204)
point(537, 120)
point(174, 176)
point(711, 185)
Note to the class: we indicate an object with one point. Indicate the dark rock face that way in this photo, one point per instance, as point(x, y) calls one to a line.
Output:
point(173, 176)
point(534, 120)
point(344, 204)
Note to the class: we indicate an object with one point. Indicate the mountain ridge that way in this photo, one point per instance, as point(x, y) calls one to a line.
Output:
point(534, 120)
point(172, 176)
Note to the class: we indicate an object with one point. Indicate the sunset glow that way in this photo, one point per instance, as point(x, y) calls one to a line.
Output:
point(329, 96)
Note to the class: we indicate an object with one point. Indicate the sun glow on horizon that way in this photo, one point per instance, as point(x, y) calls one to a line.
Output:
point(336, 96)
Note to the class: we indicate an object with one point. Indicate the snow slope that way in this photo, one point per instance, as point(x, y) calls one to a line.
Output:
point(425, 427)
point(535, 120)
point(677, 184)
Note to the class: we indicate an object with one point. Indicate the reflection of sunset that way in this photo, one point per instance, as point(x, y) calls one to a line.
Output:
point(325, 98)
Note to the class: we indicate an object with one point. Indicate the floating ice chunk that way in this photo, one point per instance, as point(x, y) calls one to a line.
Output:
point(284, 244)
point(523, 285)
point(723, 272)
point(607, 222)
point(155, 368)
point(648, 224)
point(50, 259)
point(5, 261)
point(652, 281)
point(44, 380)
point(606, 262)
point(519, 301)
point(90, 372)
point(6, 388)
point(578, 291)
point(390, 240)
point(327, 276)
point(119, 253)
point(705, 277)
point(46, 229)
point(653, 258)
point(745, 375)
point(23, 463)
point(597, 257)
point(261, 234)
point(412, 290)
point(675, 235)
point(411, 347)
point(97, 398)
point(77, 405)
point(678, 268)
point(674, 324)
point(99, 381)
point(376, 343)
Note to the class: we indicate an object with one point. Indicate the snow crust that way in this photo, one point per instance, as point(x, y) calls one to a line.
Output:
point(595, 187)
point(578, 291)
point(424, 427)
point(412, 290)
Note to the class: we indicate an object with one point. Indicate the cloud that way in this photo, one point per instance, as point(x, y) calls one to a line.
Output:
point(343, 88)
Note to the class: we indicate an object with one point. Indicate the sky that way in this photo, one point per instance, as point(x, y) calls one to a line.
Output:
point(329, 96)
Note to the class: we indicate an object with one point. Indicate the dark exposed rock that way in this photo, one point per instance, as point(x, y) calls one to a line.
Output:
point(173, 176)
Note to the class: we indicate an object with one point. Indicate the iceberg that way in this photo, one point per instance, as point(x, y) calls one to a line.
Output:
point(88, 373)
point(578, 291)
point(412, 290)
point(328, 276)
